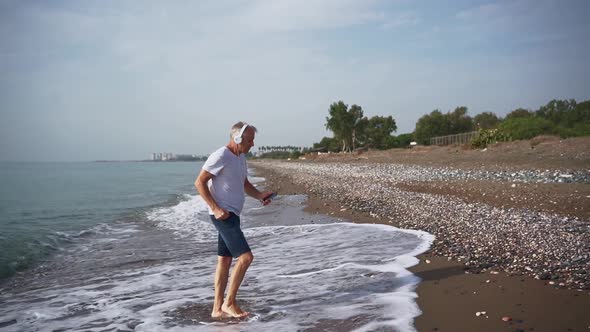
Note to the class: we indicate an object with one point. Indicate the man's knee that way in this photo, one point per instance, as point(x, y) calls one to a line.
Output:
point(224, 261)
point(246, 258)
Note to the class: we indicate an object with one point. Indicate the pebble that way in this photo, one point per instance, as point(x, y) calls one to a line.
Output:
point(506, 318)
point(483, 237)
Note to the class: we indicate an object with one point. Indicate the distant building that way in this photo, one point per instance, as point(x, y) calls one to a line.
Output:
point(167, 156)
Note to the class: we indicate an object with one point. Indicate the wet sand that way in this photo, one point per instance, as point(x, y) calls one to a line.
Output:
point(451, 294)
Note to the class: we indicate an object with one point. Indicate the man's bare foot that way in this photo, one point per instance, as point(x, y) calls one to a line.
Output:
point(234, 311)
point(219, 314)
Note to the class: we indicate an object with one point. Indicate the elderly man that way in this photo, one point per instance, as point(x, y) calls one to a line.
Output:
point(222, 183)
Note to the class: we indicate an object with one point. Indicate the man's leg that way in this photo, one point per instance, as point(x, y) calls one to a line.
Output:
point(230, 306)
point(221, 276)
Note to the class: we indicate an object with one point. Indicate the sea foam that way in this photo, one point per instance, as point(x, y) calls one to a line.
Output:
point(308, 272)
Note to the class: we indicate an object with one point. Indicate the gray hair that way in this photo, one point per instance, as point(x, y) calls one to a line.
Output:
point(235, 129)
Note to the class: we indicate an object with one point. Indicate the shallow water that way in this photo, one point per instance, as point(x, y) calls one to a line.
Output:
point(46, 207)
point(154, 271)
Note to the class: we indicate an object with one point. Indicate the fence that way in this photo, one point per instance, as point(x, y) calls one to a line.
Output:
point(463, 138)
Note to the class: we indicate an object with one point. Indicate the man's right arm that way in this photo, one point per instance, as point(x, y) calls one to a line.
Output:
point(203, 189)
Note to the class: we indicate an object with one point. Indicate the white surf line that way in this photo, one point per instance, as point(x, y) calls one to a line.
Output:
point(391, 266)
point(316, 272)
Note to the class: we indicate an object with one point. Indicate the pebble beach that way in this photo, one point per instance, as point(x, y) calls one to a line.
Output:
point(518, 241)
point(512, 226)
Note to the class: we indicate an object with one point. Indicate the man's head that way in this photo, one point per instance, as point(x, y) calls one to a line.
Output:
point(242, 136)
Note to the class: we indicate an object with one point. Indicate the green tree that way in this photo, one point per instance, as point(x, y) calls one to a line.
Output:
point(519, 113)
point(459, 121)
point(400, 141)
point(579, 120)
point(557, 111)
point(330, 143)
point(430, 125)
point(403, 140)
point(439, 124)
point(564, 117)
point(337, 121)
point(486, 120)
point(347, 125)
point(358, 125)
point(378, 130)
point(581, 113)
point(569, 117)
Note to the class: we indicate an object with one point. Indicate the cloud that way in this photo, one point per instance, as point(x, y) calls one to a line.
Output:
point(406, 19)
point(522, 24)
point(485, 11)
point(295, 15)
point(172, 76)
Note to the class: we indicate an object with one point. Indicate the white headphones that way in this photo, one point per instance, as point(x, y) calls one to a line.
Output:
point(238, 138)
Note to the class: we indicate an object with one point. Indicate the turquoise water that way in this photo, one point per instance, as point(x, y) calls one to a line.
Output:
point(44, 207)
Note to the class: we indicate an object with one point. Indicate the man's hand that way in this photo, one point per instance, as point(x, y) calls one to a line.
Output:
point(221, 214)
point(265, 197)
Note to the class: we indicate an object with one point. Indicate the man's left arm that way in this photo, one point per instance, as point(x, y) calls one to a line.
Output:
point(253, 192)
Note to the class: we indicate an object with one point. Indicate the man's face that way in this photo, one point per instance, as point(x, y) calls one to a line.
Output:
point(247, 140)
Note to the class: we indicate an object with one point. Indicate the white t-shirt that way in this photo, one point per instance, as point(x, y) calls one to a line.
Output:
point(227, 185)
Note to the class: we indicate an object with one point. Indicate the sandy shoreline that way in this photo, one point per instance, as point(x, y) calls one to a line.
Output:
point(451, 293)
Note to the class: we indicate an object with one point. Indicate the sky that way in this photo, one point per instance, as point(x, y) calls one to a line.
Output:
point(118, 80)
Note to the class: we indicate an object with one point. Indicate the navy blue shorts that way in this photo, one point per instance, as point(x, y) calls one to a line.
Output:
point(230, 241)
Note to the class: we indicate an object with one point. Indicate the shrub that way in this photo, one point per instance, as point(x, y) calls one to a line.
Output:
point(276, 155)
point(489, 136)
point(526, 128)
point(401, 141)
point(580, 129)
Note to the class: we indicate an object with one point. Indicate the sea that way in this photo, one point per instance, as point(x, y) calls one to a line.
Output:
point(128, 246)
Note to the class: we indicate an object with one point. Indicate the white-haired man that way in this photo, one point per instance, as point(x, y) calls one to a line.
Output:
point(222, 183)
